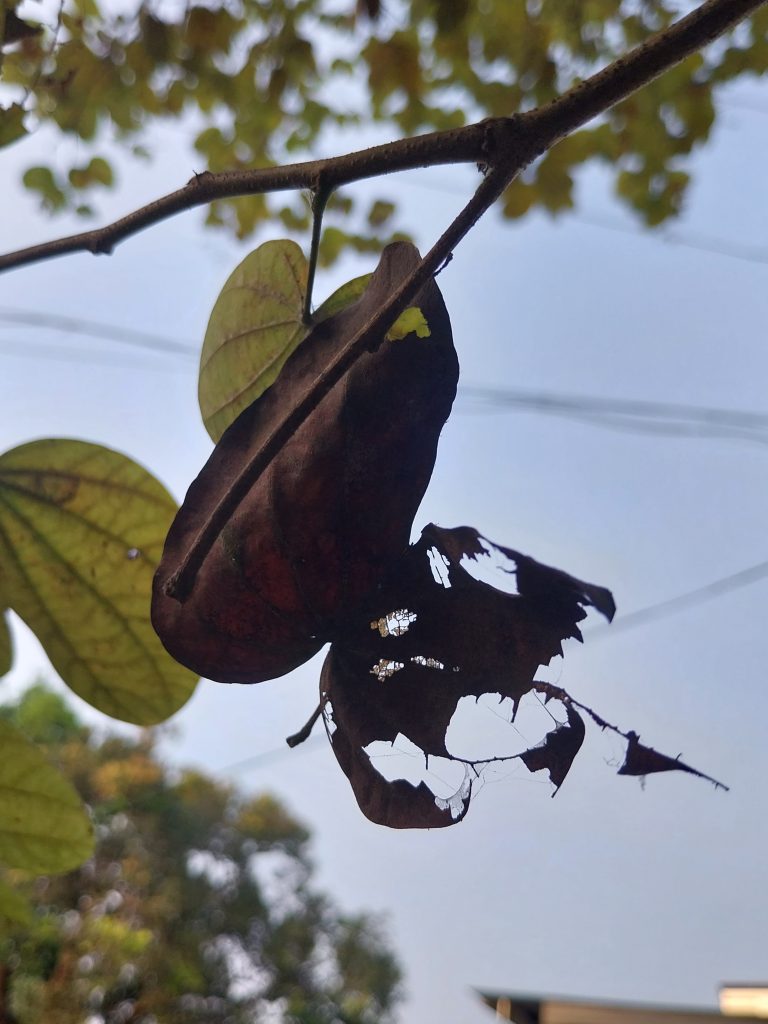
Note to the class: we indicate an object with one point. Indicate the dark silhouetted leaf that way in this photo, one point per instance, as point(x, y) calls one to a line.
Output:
point(557, 751)
point(642, 760)
point(398, 803)
point(317, 549)
point(331, 515)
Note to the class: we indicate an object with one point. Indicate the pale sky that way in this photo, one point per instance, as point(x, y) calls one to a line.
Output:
point(611, 890)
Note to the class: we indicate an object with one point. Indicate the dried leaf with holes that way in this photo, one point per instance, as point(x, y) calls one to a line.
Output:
point(317, 551)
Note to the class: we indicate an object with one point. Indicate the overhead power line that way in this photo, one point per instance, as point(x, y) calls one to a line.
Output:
point(685, 239)
point(94, 329)
point(639, 416)
point(668, 418)
point(690, 599)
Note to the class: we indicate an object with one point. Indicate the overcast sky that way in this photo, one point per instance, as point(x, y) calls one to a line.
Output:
point(612, 890)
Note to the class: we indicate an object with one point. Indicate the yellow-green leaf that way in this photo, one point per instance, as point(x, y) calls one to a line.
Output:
point(410, 321)
point(81, 532)
point(342, 297)
point(15, 910)
point(43, 824)
point(254, 327)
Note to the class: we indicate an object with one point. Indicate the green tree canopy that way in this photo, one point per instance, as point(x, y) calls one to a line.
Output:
point(197, 905)
point(261, 83)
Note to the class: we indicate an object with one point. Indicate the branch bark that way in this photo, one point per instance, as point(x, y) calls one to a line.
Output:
point(509, 142)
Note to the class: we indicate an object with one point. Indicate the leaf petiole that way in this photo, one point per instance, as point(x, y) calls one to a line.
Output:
point(320, 196)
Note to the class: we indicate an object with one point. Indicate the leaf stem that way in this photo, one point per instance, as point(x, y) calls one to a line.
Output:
point(306, 729)
point(320, 196)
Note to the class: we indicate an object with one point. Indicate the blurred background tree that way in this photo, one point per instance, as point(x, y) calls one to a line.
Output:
point(197, 905)
point(259, 83)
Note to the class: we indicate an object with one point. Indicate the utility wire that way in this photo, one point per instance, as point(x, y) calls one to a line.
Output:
point(64, 354)
point(94, 329)
point(664, 418)
point(689, 599)
point(276, 754)
point(686, 240)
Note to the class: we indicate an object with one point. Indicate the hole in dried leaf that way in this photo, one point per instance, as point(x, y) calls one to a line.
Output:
point(419, 659)
point(402, 759)
point(456, 803)
point(384, 669)
point(489, 726)
point(439, 564)
point(394, 623)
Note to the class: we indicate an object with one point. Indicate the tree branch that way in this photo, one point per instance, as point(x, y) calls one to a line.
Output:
point(508, 145)
point(509, 141)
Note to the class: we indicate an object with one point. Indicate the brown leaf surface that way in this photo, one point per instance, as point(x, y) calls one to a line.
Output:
point(557, 751)
point(331, 514)
point(642, 760)
point(423, 646)
point(397, 803)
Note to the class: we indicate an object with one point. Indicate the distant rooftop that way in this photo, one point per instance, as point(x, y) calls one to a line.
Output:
point(739, 1001)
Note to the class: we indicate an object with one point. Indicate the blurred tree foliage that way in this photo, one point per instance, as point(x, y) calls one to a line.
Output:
point(259, 82)
point(196, 906)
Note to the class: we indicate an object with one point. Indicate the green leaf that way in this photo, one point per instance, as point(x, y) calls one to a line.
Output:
point(43, 824)
point(380, 212)
point(81, 532)
point(255, 325)
point(342, 297)
point(6, 646)
point(14, 908)
point(410, 321)
point(96, 172)
point(11, 124)
point(43, 180)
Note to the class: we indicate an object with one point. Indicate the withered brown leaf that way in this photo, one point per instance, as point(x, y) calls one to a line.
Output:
point(317, 550)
